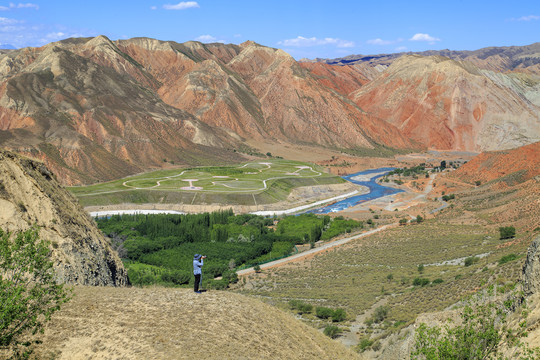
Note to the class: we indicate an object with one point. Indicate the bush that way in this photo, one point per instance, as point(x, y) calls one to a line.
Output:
point(339, 315)
point(471, 260)
point(29, 294)
point(438, 281)
point(421, 282)
point(324, 312)
point(479, 336)
point(257, 268)
point(364, 344)
point(380, 313)
point(332, 331)
point(508, 258)
point(302, 307)
point(507, 232)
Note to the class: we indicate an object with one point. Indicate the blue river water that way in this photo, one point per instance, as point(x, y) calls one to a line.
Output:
point(375, 191)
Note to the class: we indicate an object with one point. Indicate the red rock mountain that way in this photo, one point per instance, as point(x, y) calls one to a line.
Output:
point(94, 109)
point(453, 105)
point(523, 163)
point(501, 59)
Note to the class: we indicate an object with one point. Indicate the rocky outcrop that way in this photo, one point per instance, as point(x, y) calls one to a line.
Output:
point(30, 196)
point(531, 269)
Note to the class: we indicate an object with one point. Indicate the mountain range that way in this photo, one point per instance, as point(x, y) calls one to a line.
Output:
point(95, 109)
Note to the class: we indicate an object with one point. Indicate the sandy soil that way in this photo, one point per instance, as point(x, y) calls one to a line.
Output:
point(161, 323)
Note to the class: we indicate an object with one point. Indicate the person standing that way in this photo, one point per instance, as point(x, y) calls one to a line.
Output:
point(197, 271)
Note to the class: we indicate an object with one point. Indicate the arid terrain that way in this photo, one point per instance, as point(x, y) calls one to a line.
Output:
point(160, 323)
point(96, 110)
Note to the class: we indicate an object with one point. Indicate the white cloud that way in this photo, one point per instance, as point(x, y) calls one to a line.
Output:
point(527, 18)
point(19, 6)
point(301, 41)
point(379, 42)
point(6, 21)
point(401, 48)
point(208, 39)
point(181, 5)
point(424, 37)
point(153, 7)
point(56, 35)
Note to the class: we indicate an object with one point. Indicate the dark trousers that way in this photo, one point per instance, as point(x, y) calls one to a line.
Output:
point(197, 282)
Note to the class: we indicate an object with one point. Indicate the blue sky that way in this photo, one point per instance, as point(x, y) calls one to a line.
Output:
point(303, 28)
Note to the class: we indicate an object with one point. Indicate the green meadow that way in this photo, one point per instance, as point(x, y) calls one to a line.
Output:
point(252, 183)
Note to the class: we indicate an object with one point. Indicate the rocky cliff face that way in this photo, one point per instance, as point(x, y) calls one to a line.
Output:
point(531, 269)
point(446, 104)
point(31, 196)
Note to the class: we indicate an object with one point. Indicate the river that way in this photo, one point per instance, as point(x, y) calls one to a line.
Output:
point(365, 178)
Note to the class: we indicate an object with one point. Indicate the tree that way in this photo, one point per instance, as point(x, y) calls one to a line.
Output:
point(507, 232)
point(419, 219)
point(29, 294)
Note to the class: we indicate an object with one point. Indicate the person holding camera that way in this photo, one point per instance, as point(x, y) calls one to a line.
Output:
point(197, 271)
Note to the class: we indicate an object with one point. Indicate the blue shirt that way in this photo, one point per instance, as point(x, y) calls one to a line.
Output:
point(197, 265)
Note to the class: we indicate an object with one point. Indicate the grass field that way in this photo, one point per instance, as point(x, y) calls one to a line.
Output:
point(258, 182)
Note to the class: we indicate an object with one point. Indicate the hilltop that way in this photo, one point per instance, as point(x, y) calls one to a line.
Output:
point(160, 323)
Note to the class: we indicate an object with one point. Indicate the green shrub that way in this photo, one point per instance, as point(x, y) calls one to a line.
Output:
point(364, 344)
point(332, 331)
point(29, 294)
point(421, 282)
point(380, 313)
point(438, 281)
point(507, 232)
point(508, 258)
point(339, 315)
point(324, 312)
point(471, 260)
point(479, 336)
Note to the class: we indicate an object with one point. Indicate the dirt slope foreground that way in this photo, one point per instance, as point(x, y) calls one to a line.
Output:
point(30, 195)
point(160, 323)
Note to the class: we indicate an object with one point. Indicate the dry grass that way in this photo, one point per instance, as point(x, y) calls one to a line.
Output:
point(159, 323)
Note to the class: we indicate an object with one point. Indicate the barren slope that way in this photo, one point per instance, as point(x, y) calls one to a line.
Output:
point(159, 323)
point(523, 163)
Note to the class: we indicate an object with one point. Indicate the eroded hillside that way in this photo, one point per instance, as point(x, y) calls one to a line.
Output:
point(31, 196)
